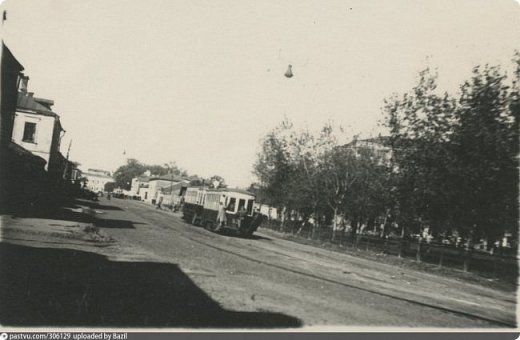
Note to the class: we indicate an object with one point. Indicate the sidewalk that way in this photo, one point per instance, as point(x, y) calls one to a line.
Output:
point(63, 228)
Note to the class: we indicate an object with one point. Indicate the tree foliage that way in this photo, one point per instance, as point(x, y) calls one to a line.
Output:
point(453, 161)
point(124, 174)
point(110, 186)
point(133, 168)
point(456, 156)
point(217, 182)
point(315, 176)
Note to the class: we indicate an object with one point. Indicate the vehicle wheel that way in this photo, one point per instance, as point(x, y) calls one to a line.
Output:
point(247, 233)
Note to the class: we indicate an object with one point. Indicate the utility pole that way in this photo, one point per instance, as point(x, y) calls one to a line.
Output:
point(67, 161)
point(171, 186)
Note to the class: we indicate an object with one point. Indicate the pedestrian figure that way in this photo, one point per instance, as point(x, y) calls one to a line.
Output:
point(221, 217)
point(242, 212)
point(159, 203)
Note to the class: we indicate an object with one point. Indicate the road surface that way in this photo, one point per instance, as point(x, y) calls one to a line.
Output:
point(164, 272)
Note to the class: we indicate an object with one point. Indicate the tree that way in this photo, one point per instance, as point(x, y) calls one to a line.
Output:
point(336, 178)
point(110, 186)
point(368, 196)
point(170, 169)
point(420, 133)
point(124, 174)
point(485, 147)
point(456, 158)
point(217, 182)
point(273, 167)
point(313, 175)
point(133, 168)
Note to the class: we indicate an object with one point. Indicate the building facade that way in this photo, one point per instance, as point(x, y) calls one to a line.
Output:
point(23, 180)
point(173, 194)
point(96, 179)
point(10, 76)
point(157, 184)
point(139, 187)
point(38, 129)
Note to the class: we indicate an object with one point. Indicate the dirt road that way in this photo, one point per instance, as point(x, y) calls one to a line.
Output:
point(163, 272)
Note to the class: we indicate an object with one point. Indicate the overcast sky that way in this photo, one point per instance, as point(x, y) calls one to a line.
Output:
point(200, 82)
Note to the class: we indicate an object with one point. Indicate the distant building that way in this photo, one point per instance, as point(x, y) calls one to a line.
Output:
point(38, 129)
point(22, 174)
point(72, 173)
point(140, 186)
point(75, 172)
point(156, 184)
point(96, 179)
point(173, 193)
point(379, 145)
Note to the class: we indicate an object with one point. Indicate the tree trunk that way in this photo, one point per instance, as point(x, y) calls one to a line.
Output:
point(418, 255)
point(468, 250)
point(401, 241)
point(496, 260)
point(334, 224)
point(342, 235)
point(467, 259)
point(442, 256)
point(314, 225)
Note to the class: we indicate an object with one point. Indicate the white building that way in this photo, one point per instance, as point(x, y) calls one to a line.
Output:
point(140, 186)
point(155, 186)
point(96, 179)
point(37, 128)
point(173, 194)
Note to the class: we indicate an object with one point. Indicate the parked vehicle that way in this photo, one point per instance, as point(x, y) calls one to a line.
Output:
point(89, 195)
point(201, 207)
point(193, 204)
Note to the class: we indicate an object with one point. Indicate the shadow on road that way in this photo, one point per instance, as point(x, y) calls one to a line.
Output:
point(98, 206)
point(114, 223)
point(235, 234)
point(69, 210)
point(58, 287)
point(55, 214)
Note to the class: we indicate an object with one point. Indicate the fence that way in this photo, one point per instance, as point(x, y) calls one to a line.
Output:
point(501, 264)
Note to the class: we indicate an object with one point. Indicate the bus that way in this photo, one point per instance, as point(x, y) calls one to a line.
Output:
point(202, 205)
point(193, 204)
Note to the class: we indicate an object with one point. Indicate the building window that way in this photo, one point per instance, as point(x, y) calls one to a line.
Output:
point(29, 132)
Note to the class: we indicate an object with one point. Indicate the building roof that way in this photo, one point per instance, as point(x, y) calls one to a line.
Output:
point(142, 178)
point(96, 174)
point(45, 102)
point(380, 140)
point(99, 171)
point(14, 65)
point(238, 191)
point(28, 102)
point(168, 178)
point(177, 186)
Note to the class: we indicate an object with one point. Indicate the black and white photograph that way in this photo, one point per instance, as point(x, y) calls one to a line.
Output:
point(259, 166)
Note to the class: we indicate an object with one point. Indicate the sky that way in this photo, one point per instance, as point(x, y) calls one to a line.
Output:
point(200, 82)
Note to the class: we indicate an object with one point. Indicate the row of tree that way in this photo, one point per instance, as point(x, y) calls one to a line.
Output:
point(133, 168)
point(319, 179)
point(457, 156)
point(449, 162)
